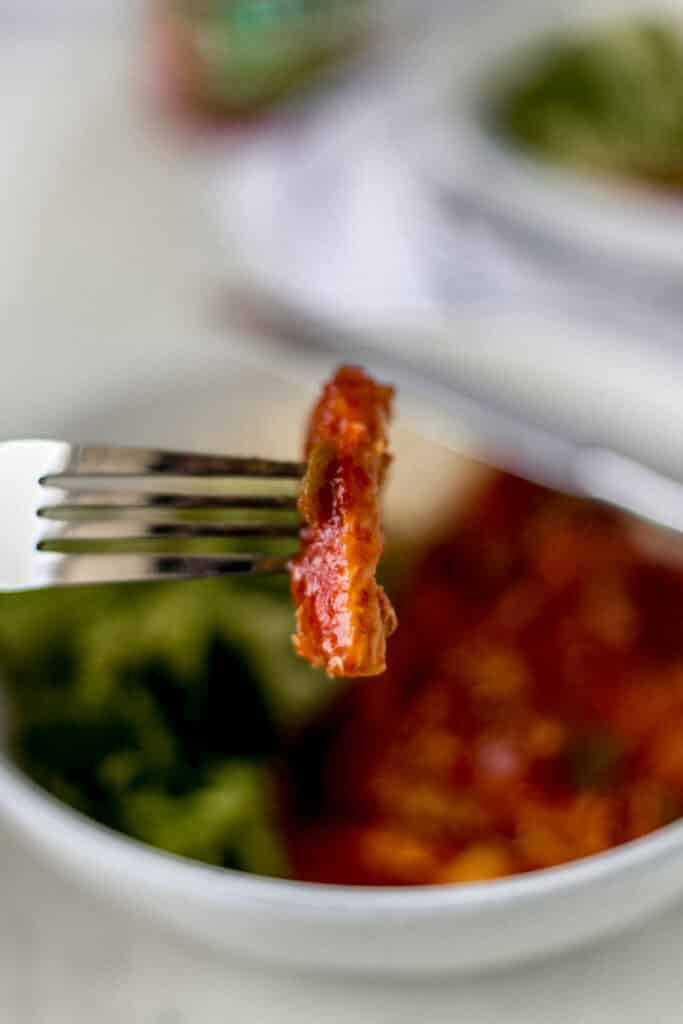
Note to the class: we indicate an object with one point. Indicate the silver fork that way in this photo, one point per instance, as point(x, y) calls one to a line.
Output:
point(91, 513)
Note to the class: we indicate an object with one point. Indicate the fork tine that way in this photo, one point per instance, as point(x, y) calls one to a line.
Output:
point(74, 503)
point(72, 569)
point(125, 529)
point(107, 461)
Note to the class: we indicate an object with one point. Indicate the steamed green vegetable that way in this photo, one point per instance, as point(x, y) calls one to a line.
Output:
point(155, 709)
point(243, 58)
point(609, 101)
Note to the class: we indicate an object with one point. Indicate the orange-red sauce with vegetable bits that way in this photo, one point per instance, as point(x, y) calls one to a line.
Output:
point(532, 713)
point(343, 615)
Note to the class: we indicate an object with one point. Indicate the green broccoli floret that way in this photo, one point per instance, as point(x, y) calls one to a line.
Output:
point(156, 709)
point(227, 821)
point(610, 100)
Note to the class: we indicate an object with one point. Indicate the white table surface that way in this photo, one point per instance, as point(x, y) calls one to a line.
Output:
point(67, 959)
point(99, 280)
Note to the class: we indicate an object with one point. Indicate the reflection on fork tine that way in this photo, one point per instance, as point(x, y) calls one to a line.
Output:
point(111, 461)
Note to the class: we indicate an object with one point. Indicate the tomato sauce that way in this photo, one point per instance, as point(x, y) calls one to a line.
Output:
point(531, 714)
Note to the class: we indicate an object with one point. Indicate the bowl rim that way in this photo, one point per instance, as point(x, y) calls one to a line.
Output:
point(38, 814)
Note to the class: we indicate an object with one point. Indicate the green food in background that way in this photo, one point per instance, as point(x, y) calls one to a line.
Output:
point(155, 709)
point(244, 56)
point(610, 102)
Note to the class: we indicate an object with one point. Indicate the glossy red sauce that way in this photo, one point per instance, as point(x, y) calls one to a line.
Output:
point(343, 616)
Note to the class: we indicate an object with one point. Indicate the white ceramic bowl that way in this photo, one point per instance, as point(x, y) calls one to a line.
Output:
point(346, 929)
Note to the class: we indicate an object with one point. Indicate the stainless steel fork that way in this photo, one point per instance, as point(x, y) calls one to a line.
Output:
point(98, 514)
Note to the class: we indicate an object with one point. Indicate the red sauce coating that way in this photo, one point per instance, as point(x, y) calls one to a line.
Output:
point(343, 615)
point(532, 713)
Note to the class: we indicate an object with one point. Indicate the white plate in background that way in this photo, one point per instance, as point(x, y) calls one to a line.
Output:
point(456, 149)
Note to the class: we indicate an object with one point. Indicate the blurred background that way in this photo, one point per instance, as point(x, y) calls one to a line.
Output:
point(484, 197)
